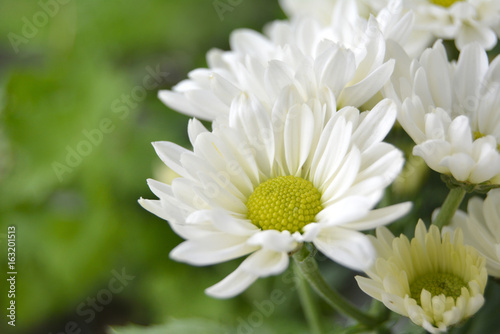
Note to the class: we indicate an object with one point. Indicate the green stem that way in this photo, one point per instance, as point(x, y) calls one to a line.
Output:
point(450, 206)
point(307, 301)
point(309, 269)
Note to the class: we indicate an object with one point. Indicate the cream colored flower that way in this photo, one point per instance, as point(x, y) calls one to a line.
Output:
point(435, 281)
point(481, 226)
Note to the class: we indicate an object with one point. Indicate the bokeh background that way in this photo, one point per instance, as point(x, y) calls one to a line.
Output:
point(78, 111)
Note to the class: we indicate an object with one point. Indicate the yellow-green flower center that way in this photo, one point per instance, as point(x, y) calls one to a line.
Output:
point(449, 285)
point(478, 134)
point(284, 203)
point(444, 3)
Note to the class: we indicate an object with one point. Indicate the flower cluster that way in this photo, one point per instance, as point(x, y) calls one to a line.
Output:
point(464, 21)
point(296, 155)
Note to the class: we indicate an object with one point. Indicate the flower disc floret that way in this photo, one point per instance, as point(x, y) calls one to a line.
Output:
point(284, 203)
point(437, 284)
point(444, 3)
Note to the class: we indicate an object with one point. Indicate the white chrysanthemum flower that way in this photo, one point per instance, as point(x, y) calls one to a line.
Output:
point(326, 10)
point(264, 184)
point(345, 66)
point(465, 21)
point(346, 21)
point(481, 226)
point(451, 111)
point(435, 281)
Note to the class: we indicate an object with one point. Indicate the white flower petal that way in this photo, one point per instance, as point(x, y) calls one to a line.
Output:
point(460, 134)
point(170, 154)
point(439, 82)
point(344, 211)
point(471, 68)
point(250, 42)
point(249, 115)
point(205, 104)
point(224, 89)
point(181, 103)
point(421, 87)
point(475, 33)
point(481, 228)
point(381, 216)
point(460, 165)
point(311, 231)
point(335, 67)
point(375, 125)
point(412, 118)
point(154, 206)
point(273, 240)
point(343, 179)
point(219, 191)
point(383, 160)
point(433, 152)
point(370, 287)
point(434, 126)
point(223, 222)
point(266, 262)
point(189, 192)
point(492, 212)
point(212, 249)
point(299, 130)
point(234, 284)
point(356, 95)
point(160, 189)
point(195, 128)
point(330, 151)
point(278, 75)
point(350, 248)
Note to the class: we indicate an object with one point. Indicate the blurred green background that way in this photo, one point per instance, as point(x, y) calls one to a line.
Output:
point(66, 67)
point(78, 111)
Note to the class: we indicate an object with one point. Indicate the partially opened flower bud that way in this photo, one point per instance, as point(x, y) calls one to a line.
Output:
point(435, 281)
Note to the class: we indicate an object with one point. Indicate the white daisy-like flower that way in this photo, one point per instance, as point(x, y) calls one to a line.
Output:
point(325, 10)
point(349, 17)
point(346, 66)
point(465, 21)
point(346, 21)
point(481, 226)
point(451, 111)
point(264, 184)
point(435, 281)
